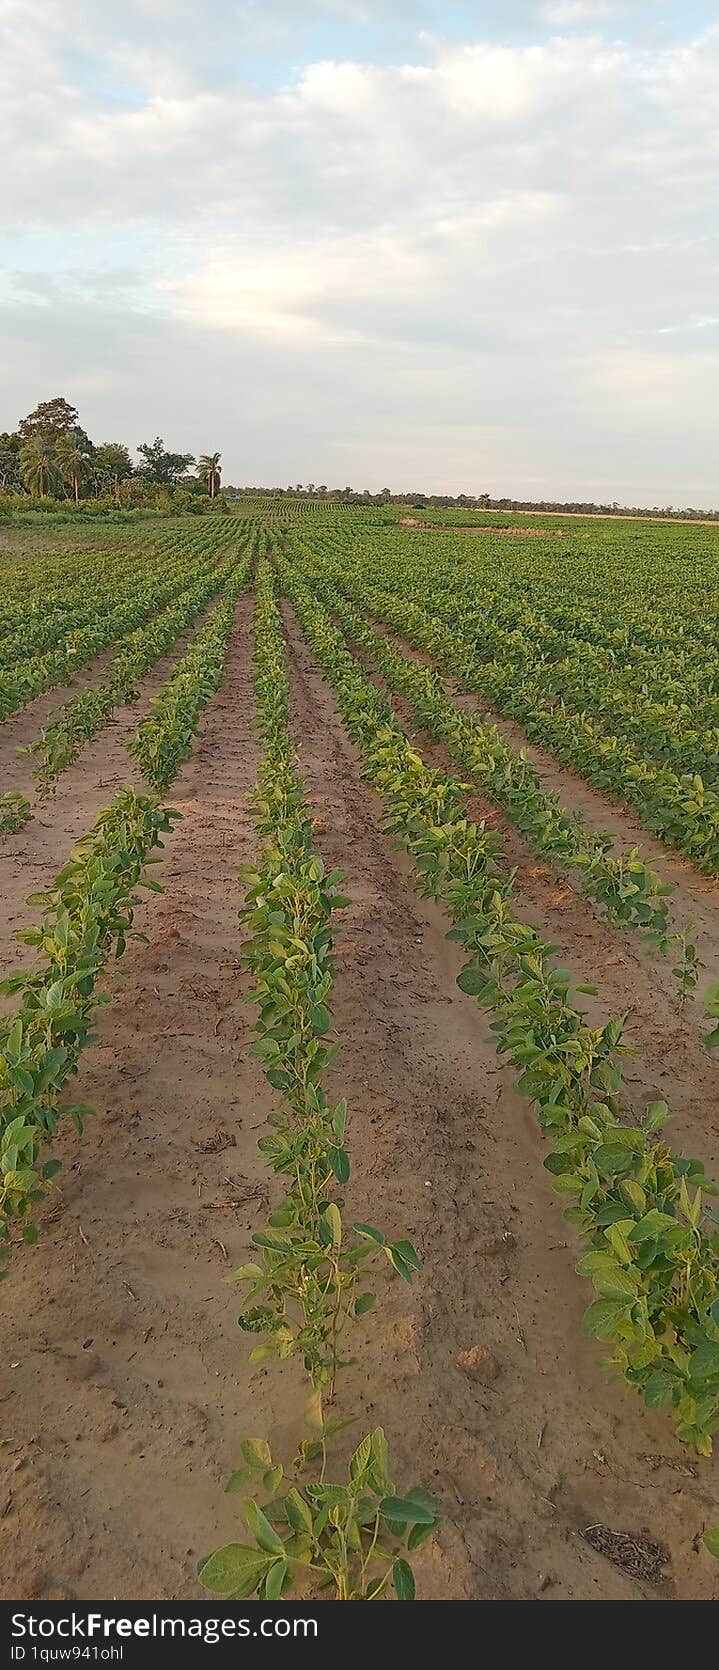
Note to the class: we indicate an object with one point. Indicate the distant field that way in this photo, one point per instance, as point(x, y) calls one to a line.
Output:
point(451, 804)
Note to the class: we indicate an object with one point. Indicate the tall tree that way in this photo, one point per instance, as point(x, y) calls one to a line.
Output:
point(10, 445)
point(72, 462)
point(164, 468)
point(208, 470)
point(38, 467)
point(111, 464)
point(51, 420)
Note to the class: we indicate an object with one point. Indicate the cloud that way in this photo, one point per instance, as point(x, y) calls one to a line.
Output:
point(443, 266)
point(568, 13)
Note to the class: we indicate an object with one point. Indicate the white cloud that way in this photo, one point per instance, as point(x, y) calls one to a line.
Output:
point(567, 13)
point(485, 233)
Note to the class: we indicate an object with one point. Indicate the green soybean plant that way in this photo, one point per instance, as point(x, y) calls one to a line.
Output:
point(15, 812)
point(339, 1541)
point(165, 738)
point(688, 966)
point(86, 917)
point(63, 738)
point(310, 1284)
point(308, 1290)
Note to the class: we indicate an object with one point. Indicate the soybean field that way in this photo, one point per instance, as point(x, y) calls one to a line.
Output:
point(360, 986)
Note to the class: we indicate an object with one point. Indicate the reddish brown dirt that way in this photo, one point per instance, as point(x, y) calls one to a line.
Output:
point(453, 527)
point(126, 1387)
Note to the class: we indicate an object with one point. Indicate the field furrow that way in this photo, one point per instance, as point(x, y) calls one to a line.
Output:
point(409, 1038)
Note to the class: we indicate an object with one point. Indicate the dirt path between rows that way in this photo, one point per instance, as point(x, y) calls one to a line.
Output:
point(451, 527)
point(126, 1386)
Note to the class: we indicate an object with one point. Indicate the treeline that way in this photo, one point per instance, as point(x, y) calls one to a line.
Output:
point(50, 458)
point(468, 501)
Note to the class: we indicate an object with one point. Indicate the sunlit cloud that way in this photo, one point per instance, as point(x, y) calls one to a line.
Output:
point(447, 257)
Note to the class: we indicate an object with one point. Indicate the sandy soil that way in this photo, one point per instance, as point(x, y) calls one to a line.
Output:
point(126, 1386)
point(467, 527)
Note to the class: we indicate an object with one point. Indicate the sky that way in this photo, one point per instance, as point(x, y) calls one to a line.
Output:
point(452, 247)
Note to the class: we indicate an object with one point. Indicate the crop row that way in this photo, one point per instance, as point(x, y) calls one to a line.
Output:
point(439, 595)
point(632, 894)
point(307, 1288)
point(627, 702)
point(164, 739)
point(136, 597)
point(52, 597)
point(683, 812)
point(650, 1246)
point(87, 917)
point(640, 606)
point(81, 718)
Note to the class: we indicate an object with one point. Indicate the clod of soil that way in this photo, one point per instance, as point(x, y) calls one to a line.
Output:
point(480, 1363)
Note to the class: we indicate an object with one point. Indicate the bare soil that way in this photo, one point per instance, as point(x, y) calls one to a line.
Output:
point(126, 1386)
point(463, 527)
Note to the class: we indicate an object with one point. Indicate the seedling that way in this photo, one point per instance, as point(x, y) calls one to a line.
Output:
point(15, 812)
point(689, 965)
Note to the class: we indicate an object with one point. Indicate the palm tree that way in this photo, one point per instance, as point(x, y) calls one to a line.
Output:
point(38, 467)
point(72, 463)
point(208, 470)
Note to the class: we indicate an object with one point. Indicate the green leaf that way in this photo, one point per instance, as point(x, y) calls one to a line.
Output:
point(340, 1163)
point(651, 1226)
point(710, 1540)
point(403, 1579)
point(264, 1534)
point(407, 1253)
point(299, 1515)
point(659, 1390)
point(603, 1318)
point(246, 1272)
point(239, 1480)
point(235, 1570)
point(569, 1183)
point(257, 1453)
point(370, 1234)
point(472, 980)
point(334, 1223)
point(657, 1116)
point(275, 1580)
point(404, 1511)
point(704, 1362)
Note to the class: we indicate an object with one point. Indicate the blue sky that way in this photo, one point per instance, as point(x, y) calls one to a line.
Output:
point(468, 246)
